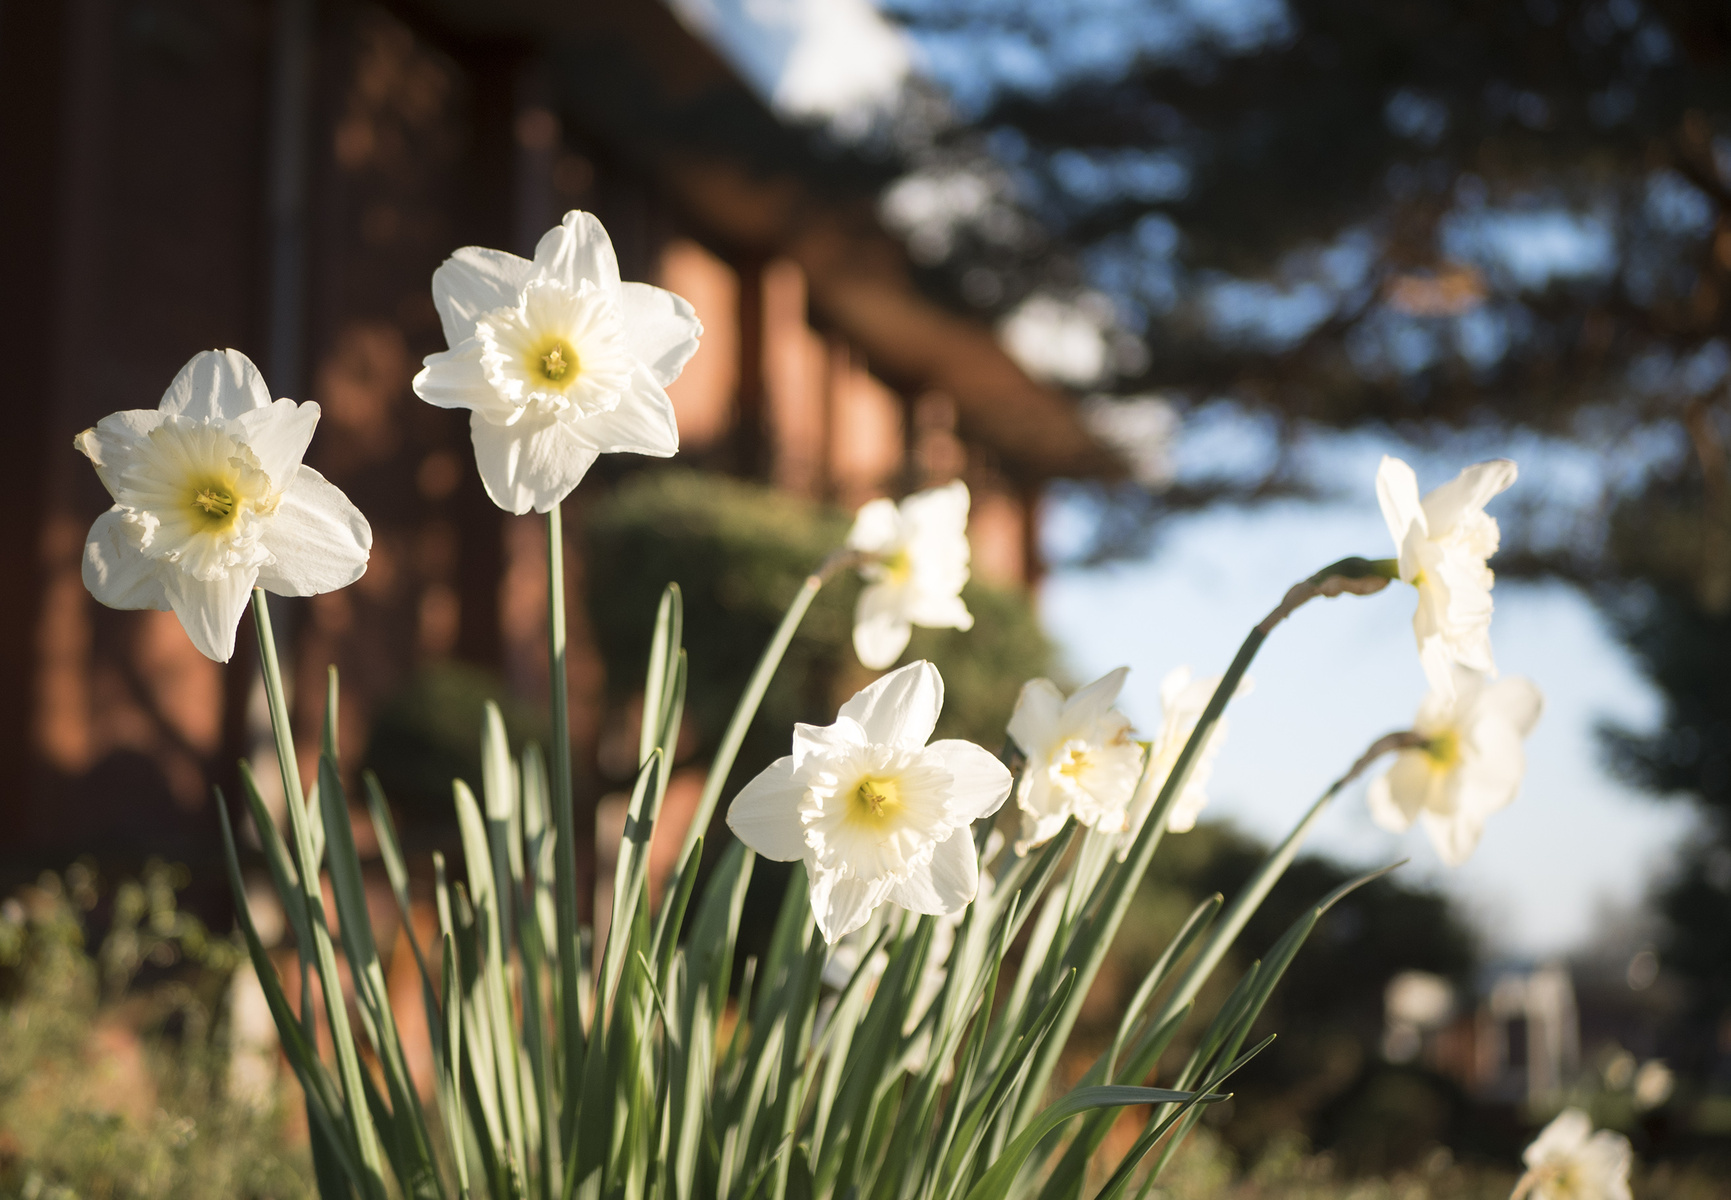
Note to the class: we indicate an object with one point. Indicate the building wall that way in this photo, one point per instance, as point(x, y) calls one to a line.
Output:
point(283, 177)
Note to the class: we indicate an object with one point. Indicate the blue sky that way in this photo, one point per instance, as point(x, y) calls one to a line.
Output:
point(1343, 672)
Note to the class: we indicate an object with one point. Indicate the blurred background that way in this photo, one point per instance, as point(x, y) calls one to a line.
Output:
point(1160, 279)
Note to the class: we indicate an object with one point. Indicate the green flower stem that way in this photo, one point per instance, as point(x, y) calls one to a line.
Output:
point(324, 955)
point(1356, 576)
point(1246, 902)
point(734, 736)
point(571, 1039)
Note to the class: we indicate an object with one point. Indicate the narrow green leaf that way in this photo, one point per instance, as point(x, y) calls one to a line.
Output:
point(996, 1182)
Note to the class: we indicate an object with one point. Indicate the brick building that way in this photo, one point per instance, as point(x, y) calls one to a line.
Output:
point(282, 176)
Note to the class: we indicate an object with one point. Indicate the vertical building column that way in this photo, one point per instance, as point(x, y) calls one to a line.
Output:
point(33, 88)
point(749, 430)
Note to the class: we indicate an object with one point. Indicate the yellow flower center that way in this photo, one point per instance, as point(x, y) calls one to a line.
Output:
point(555, 361)
point(1074, 763)
point(899, 567)
point(1444, 750)
point(214, 505)
point(876, 802)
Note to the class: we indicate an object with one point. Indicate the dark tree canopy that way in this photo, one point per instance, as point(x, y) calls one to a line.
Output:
point(1345, 210)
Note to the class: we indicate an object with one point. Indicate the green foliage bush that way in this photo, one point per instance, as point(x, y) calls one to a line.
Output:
point(423, 736)
point(739, 552)
point(84, 1118)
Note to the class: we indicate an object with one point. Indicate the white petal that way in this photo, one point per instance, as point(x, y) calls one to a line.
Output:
point(939, 611)
point(1561, 1138)
point(842, 905)
point(1455, 837)
point(938, 510)
point(1437, 661)
point(215, 385)
point(1515, 702)
point(1039, 827)
point(473, 281)
point(877, 528)
point(1465, 493)
point(1093, 702)
point(1397, 493)
point(1397, 797)
point(455, 379)
point(577, 249)
point(319, 539)
point(945, 885)
point(661, 329)
point(642, 424)
point(278, 435)
point(880, 631)
point(765, 814)
point(982, 783)
point(1034, 723)
point(210, 610)
point(529, 464)
point(116, 571)
point(821, 740)
point(900, 709)
point(109, 445)
point(1608, 1157)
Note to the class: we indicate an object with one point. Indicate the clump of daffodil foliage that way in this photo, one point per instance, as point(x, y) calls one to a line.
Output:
point(894, 1031)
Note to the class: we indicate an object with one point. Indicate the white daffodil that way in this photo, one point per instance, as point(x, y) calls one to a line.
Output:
point(211, 498)
point(557, 360)
point(1443, 542)
point(1082, 761)
point(916, 561)
point(1568, 1161)
point(875, 813)
point(1469, 767)
point(1182, 700)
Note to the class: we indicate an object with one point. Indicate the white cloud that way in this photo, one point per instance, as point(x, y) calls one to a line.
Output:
point(1061, 340)
point(830, 60)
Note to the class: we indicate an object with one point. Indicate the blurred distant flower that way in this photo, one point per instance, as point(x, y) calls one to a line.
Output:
point(1082, 761)
point(1654, 1083)
point(1182, 700)
point(916, 561)
point(1568, 1161)
point(1469, 767)
point(875, 813)
point(557, 360)
point(1443, 542)
point(211, 498)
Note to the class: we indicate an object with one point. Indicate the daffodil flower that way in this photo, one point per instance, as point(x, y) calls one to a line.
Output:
point(875, 813)
point(1568, 1161)
point(557, 360)
point(1182, 700)
point(915, 562)
point(1469, 766)
point(1443, 542)
point(211, 498)
point(1082, 761)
